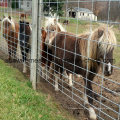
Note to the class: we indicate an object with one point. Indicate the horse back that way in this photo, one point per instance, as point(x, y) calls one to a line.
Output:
point(66, 49)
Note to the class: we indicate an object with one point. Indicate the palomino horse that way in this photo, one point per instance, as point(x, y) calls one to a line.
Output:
point(25, 41)
point(10, 31)
point(84, 55)
point(52, 28)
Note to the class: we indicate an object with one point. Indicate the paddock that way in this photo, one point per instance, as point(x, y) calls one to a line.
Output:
point(106, 100)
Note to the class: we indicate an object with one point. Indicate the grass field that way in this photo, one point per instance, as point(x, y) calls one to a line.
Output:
point(18, 101)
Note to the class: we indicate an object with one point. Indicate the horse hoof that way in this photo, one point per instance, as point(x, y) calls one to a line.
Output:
point(92, 114)
point(56, 89)
point(24, 71)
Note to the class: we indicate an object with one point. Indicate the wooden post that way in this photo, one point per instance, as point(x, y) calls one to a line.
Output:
point(40, 16)
point(33, 67)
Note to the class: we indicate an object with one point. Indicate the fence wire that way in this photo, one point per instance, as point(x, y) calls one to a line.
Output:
point(77, 52)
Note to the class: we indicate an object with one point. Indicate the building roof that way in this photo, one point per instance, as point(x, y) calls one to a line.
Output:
point(80, 10)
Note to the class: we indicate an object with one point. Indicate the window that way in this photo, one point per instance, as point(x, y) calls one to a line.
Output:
point(28, 4)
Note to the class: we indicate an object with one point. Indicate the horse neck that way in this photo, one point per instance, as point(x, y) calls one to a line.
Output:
point(61, 27)
point(89, 49)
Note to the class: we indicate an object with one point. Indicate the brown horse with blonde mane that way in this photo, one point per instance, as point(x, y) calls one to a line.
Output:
point(10, 31)
point(84, 55)
point(52, 27)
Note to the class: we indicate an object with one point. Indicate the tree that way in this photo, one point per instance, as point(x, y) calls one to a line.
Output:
point(15, 4)
point(53, 6)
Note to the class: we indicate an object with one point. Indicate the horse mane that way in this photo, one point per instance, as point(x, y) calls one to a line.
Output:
point(102, 40)
point(108, 39)
point(97, 43)
point(53, 21)
point(10, 21)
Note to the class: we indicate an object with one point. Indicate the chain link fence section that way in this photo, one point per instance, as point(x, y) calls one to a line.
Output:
point(16, 32)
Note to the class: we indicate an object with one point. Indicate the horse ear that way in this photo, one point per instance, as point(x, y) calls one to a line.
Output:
point(100, 33)
point(3, 16)
point(9, 17)
point(55, 21)
point(111, 26)
point(43, 32)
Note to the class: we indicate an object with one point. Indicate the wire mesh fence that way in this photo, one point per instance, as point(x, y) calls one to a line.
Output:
point(73, 46)
point(16, 31)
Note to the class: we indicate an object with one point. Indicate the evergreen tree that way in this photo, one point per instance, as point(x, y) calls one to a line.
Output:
point(53, 6)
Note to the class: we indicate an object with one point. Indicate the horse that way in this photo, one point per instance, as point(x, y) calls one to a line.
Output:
point(10, 31)
point(65, 22)
point(25, 32)
point(23, 17)
point(83, 55)
point(52, 27)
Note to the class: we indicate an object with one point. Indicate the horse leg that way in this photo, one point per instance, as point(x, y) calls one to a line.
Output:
point(24, 60)
point(57, 76)
point(44, 71)
point(15, 50)
point(9, 52)
point(51, 71)
point(88, 96)
point(24, 67)
point(70, 77)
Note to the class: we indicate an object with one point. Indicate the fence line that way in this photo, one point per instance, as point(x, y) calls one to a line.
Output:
point(54, 63)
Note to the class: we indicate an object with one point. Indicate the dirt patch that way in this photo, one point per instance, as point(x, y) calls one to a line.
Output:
point(107, 94)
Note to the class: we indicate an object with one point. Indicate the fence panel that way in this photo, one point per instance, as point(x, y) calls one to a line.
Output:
point(71, 46)
point(80, 39)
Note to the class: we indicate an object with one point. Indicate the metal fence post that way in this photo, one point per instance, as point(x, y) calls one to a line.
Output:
point(33, 69)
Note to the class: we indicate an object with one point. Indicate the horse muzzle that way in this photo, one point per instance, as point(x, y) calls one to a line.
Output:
point(107, 73)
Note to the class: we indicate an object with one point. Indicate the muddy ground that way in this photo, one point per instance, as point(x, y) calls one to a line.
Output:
point(71, 98)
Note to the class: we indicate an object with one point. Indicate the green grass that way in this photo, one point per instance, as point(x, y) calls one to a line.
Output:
point(78, 26)
point(117, 49)
point(18, 101)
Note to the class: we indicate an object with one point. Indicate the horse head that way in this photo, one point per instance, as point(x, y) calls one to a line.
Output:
point(25, 27)
point(7, 26)
point(52, 28)
point(106, 43)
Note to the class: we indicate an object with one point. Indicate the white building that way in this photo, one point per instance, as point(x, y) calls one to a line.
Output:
point(81, 14)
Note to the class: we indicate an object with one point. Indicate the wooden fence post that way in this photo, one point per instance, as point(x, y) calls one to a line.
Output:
point(33, 67)
point(40, 16)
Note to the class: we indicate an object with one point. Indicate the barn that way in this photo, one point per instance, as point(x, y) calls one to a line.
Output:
point(4, 3)
point(81, 14)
